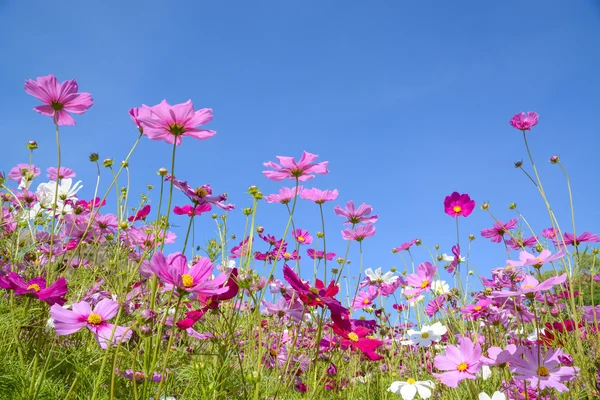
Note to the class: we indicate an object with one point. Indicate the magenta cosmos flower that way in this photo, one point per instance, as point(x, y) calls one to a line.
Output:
point(142, 213)
point(67, 322)
point(200, 195)
point(285, 195)
point(460, 363)
point(171, 123)
point(356, 215)
point(36, 287)
point(458, 204)
point(64, 173)
point(524, 122)
point(319, 254)
point(190, 210)
point(496, 234)
point(545, 371)
point(319, 196)
point(60, 98)
point(365, 298)
point(570, 239)
point(404, 246)
point(174, 271)
point(302, 170)
point(359, 233)
point(302, 236)
point(355, 337)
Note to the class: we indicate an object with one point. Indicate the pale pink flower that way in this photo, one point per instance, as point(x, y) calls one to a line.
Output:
point(302, 170)
point(302, 236)
point(319, 196)
point(365, 298)
point(65, 173)
point(529, 260)
point(285, 195)
point(60, 98)
point(359, 233)
point(356, 215)
point(460, 363)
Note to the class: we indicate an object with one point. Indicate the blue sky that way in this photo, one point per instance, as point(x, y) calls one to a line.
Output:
point(408, 101)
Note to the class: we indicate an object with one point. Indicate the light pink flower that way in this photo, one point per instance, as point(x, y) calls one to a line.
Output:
point(544, 372)
point(404, 246)
point(319, 254)
point(21, 171)
point(356, 215)
point(285, 195)
point(461, 362)
point(302, 170)
point(531, 286)
point(60, 98)
point(190, 210)
point(359, 233)
point(518, 243)
point(319, 196)
point(524, 122)
point(67, 322)
point(529, 260)
point(171, 123)
point(365, 298)
point(65, 173)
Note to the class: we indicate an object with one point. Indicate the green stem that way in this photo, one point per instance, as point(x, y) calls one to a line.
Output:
point(55, 202)
point(170, 195)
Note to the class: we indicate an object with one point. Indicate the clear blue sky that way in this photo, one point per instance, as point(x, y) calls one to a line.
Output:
point(409, 101)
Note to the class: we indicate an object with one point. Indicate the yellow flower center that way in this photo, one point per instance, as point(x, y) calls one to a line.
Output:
point(543, 371)
point(462, 366)
point(273, 352)
point(411, 381)
point(201, 192)
point(301, 239)
point(527, 287)
point(286, 255)
point(424, 284)
point(94, 319)
point(353, 337)
point(366, 301)
point(187, 280)
point(34, 286)
point(425, 335)
point(477, 308)
point(457, 209)
point(314, 291)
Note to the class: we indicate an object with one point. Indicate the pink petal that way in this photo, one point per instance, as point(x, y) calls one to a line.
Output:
point(106, 308)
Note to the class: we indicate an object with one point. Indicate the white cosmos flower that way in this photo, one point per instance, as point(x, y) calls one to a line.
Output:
point(440, 287)
point(378, 277)
point(448, 258)
point(496, 396)
point(409, 389)
point(66, 191)
point(428, 335)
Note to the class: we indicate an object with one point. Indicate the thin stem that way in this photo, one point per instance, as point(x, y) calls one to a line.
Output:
point(170, 195)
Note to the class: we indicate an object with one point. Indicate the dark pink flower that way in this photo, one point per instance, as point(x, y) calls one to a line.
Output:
point(549, 233)
point(356, 215)
point(355, 337)
point(518, 243)
point(190, 210)
point(171, 123)
point(65, 173)
point(60, 98)
point(284, 196)
point(142, 213)
point(319, 254)
point(584, 237)
point(435, 305)
point(359, 233)
point(302, 236)
point(404, 246)
point(201, 195)
point(524, 122)
point(67, 322)
point(302, 170)
point(365, 298)
point(458, 204)
point(499, 230)
point(36, 287)
point(456, 260)
point(460, 363)
point(319, 196)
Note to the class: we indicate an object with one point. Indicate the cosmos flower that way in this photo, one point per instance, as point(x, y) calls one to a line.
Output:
point(302, 170)
point(530, 260)
point(355, 337)
point(457, 205)
point(424, 276)
point(172, 122)
point(496, 234)
point(319, 254)
point(408, 389)
point(302, 236)
point(285, 195)
point(60, 98)
point(63, 173)
point(36, 287)
point(67, 322)
point(460, 362)
point(356, 215)
point(319, 196)
point(190, 210)
point(524, 122)
point(359, 233)
point(142, 213)
point(544, 372)
point(426, 336)
point(365, 298)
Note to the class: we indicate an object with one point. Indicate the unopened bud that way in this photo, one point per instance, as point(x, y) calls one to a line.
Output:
point(32, 145)
point(108, 162)
point(554, 159)
point(258, 195)
point(518, 164)
point(485, 206)
point(418, 242)
point(471, 237)
point(512, 206)
point(393, 269)
point(320, 235)
point(252, 190)
point(162, 172)
point(125, 164)
point(260, 229)
point(247, 211)
point(94, 157)
point(214, 216)
point(123, 225)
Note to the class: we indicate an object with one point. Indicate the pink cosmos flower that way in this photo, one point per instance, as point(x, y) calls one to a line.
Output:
point(359, 233)
point(499, 230)
point(65, 173)
point(355, 337)
point(356, 215)
point(319, 254)
point(458, 204)
point(499, 357)
point(142, 213)
point(423, 278)
point(284, 307)
point(531, 286)
point(518, 243)
point(190, 210)
point(138, 112)
point(36, 287)
point(67, 322)
point(200, 195)
point(285, 195)
point(549, 233)
point(105, 224)
point(303, 170)
point(456, 260)
point(461, 362)
point(584, 237)
point(524, 122)
point(319, 196)
point(404, 246)
point(171, 123)
point(435, 305)
point(60, 98)
point(529, 260)
point(474, 311)
point(544, 372)
point(174, 271)
point(302, 236)
point(21, 171)
point(365, 298)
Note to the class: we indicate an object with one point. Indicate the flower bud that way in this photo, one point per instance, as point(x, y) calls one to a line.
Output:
point(108, 162)
point(94, 157)
point(485, 206)
point(437, 247)
point(247, 211)
point(252, 190)
point(31, 145)
point(518, 164)
point(214, 216)
point(418, 242)
point(147, 314)
point(260, 229)
point(471, 237)
point(340, 260)
point(393, 269)
point(145, 330)
point(554, 159)
point(123, 225)
point(258, 195)
point(125, 164)
point(162, 172)
point(512, 206)
point(320, 235)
